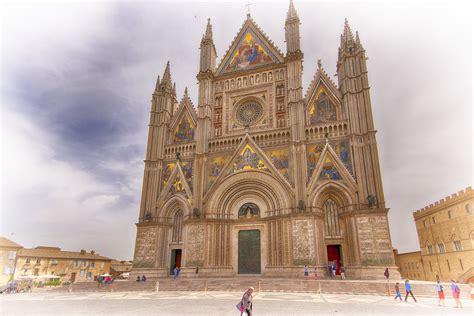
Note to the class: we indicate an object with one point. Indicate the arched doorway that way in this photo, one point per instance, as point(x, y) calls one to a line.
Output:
point(332, 234)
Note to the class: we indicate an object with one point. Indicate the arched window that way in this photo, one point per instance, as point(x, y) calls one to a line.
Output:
point(177, 235)
point(331, 217)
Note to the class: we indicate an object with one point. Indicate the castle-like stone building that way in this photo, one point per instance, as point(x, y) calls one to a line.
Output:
point(261, 178)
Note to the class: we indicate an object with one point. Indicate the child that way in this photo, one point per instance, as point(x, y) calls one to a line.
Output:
point(439, 289)
point(397, 291)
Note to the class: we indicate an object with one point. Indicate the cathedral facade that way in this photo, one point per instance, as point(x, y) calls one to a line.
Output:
point(260, 178)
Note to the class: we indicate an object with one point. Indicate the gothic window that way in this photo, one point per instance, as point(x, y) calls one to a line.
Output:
point(441, 248)
point(457, 245)
point(430, 249)
point(331, 216)
point(177, 235)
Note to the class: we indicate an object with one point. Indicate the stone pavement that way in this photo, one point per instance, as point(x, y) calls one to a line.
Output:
point(219, 303)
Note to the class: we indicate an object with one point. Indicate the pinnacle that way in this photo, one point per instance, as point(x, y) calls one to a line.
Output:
point(347, 35)
point(291, 11)
point(167, 74)
point(208, 34)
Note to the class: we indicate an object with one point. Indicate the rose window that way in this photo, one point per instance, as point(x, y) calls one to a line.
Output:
point(248, 113)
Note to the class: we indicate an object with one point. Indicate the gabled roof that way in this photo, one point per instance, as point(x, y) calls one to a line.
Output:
point(7, 243)
point(259, 37)
point(322, 78)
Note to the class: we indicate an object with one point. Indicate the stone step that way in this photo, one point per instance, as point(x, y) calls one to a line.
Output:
point(262, 284)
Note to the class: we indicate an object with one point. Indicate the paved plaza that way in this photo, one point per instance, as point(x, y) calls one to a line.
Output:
point(219, 303)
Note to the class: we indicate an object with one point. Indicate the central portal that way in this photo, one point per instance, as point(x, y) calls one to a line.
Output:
point(249, 252)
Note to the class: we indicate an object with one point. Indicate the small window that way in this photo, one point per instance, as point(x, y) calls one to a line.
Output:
point(92, 264)
point(38, 261)
point(469, 209)
point(75, 263)
point(82, 273)
point(54, 262)
point(89, 275)
point(458, 245)
point(102, 265)
point(450, 215)
point(28, 260)
point(430, 249)
point(441, 248)
point(84, 263)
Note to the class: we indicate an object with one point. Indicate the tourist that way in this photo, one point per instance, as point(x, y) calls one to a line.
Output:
point(330, 270)
point(305, 270)
point(175, 273)
point(99, 281)
point(439, 289)
point(315, 273)
point(456, 293)
point(143, 278)
point(343, 273)
point(408, 290)
point(397, 292)
point(334, 268)
point(386, 274)
point(138, 278)
point(245, 304)
point(197, 271)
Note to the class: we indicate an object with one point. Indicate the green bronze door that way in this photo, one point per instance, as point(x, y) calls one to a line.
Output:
point(249, 252)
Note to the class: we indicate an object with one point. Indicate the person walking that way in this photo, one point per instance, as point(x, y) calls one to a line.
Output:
point(397, 292)
point(330, 270)
point(305, 271)
point(343, 273)
point(245, 304)
point(196, 272)
point(408, 290)
point(386, 274)
point(456, 293)
point(334, 268)
point(440, 290)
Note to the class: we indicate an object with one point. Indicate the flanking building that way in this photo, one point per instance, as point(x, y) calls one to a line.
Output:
point(446, 235)
point(261, 177)
point(8, 258)
point(68, 265)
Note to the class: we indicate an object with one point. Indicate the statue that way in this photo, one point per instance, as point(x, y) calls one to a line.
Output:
point(196, 213)
point(372, 199)
point(148, 216)
point(301, 205)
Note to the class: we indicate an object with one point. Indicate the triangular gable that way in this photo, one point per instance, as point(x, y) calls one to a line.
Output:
point(247, 156)
point(321, 79)
point(251, 48)
point(183, 124)
point(330, 168)
point(177, 183)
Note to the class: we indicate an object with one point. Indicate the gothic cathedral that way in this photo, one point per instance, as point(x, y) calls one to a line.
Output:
point(260, 179)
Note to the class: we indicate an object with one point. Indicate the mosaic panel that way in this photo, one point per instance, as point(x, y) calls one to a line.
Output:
point(313, 153)
point(249, 53)
point(184, 131)
point(322, 109)
point(167, 171)
point(215, 167)
point(247, 160)
point(280, 159)
point(187, 167)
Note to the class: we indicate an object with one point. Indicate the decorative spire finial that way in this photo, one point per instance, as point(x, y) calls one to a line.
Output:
point(319, 64)
point(248, 9)
point(208, 34)
point(167, 74)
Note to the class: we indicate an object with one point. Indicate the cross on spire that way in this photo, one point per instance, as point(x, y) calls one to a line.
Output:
point(248, 8)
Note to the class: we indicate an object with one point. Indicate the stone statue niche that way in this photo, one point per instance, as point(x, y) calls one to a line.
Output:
point(249, 210)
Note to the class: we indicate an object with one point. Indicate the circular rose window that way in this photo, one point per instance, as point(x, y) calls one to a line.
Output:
point(249, 112)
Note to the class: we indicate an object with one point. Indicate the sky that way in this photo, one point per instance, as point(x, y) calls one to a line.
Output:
point(77, 78)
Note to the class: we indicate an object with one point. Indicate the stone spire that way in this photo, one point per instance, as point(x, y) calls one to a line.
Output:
point(292, 12)
point(208, 50)
point(292, 30)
